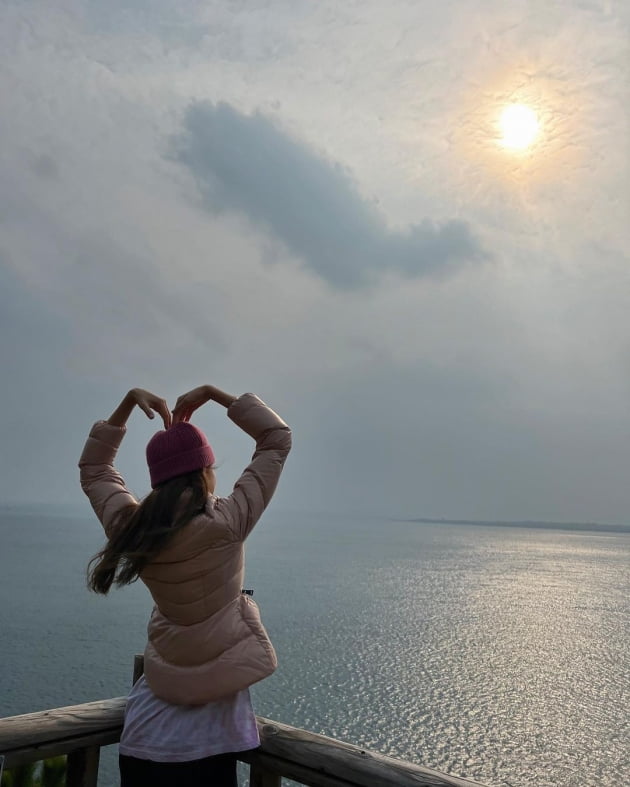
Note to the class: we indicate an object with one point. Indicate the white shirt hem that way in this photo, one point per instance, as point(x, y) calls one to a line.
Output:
point(163, 755)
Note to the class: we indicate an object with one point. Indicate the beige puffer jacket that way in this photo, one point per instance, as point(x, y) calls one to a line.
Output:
point(206, 640)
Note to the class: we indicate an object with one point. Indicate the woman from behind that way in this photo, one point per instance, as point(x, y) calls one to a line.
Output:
point(191, 711)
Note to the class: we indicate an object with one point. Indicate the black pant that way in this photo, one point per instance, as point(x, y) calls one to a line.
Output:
point(217, 771)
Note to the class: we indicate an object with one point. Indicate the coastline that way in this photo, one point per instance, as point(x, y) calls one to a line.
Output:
point(579, 527)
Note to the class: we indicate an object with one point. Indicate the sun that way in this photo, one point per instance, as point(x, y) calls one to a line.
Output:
point(519, 126)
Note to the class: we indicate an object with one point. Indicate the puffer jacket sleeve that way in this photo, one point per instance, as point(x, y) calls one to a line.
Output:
point(100, 480)
point(254, 489)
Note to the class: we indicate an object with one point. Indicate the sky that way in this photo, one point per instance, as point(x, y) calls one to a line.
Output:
point(311, 201)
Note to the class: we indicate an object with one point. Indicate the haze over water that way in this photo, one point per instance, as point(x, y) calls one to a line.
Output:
point(495, 653)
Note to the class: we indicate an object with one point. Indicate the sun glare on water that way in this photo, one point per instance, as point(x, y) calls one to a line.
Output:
point(519, 127)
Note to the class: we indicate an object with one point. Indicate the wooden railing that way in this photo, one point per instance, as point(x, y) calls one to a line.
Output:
point(79, 731)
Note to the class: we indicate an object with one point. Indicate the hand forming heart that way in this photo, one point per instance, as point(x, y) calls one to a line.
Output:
point(185, 406)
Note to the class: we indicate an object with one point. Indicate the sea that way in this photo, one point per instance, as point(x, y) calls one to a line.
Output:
point(493, 652)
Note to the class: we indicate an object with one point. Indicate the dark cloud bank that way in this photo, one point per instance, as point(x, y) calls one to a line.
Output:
point(246, 164)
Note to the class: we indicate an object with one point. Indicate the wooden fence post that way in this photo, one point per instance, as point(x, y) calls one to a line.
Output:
point(83, 767)
point(262, 777)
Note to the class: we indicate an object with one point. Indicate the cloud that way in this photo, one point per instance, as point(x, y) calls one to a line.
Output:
point(246, 164)
point(498, 391)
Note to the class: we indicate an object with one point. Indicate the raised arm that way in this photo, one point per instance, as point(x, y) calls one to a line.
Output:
point(100, 480)
point(256, 485)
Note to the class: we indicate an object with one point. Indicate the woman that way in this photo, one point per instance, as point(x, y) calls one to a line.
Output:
point(191, 711)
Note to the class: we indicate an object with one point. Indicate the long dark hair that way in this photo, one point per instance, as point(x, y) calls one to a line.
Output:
point(141, 531)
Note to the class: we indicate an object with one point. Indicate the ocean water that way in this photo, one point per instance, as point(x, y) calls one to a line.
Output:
point(496, 653)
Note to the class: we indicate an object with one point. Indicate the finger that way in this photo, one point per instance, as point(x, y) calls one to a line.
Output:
point(162, 408)
point(182, 412)
point(146, 409)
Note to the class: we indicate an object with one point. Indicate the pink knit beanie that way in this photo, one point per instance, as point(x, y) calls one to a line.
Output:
point(178, 450)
